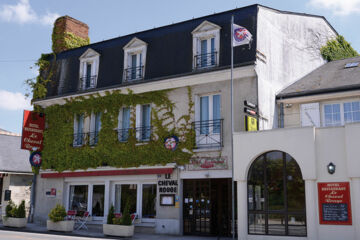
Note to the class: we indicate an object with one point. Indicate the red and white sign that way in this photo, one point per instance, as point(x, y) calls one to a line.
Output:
point(32, 131)
point(334, 203)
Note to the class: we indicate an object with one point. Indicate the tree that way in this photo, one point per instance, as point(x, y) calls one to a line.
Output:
point(337, 49)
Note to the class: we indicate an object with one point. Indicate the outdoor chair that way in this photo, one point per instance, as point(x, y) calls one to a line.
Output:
point(133, 217)
point(71, 214)
point(82, 221)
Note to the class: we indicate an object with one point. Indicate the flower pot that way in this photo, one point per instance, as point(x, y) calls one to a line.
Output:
point(14, 222)
point(61, 226)
point(118, 230)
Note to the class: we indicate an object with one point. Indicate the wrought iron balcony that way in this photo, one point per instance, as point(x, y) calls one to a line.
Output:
point(133, 73)
point(205, 60)
point(209, 134)
point(142, 134)
point(88, 82)
point(81, 139)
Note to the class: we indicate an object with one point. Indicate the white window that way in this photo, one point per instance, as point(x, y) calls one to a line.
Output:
point(208, 125)
point(124, 124)
point(89, 69)
point(95, 128)
point(351, 112)
point(141, 199)
point(134, 60)
point(206, 45)
point(79, 136)
point(340, 113)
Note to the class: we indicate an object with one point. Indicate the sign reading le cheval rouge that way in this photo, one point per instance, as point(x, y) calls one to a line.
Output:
point(32, 131)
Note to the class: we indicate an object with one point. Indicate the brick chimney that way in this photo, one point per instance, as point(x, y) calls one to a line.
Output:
point(69, 33)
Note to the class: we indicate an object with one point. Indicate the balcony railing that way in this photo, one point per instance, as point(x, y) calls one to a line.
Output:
point(134, 73)
point(209, 134)
point(142, 134)
point(81, 139)
point(88, 82)
point(205, 60)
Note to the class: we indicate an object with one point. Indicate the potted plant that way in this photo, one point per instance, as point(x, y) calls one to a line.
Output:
point(15, 215)
point(121, 227)
point(57, 220)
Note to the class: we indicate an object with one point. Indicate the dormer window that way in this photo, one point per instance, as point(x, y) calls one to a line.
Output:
point(206, 42)
point(134, 60)
point(89, 69)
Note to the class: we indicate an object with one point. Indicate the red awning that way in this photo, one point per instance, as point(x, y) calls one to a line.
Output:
point(109, 173)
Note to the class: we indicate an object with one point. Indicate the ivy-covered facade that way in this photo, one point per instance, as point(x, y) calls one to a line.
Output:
point(143, 121)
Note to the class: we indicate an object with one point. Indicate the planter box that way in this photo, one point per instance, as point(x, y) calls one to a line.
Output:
point(118, 230)
point(62, 226)
point(14, 222)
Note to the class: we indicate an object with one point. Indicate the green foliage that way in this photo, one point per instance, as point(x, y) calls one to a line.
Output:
point(337, 49)
point(67, 40)
point(14, 211)
point(126, 218)
point(116, 221)
point(111, 215)
point(57, 214)
point(59, 153)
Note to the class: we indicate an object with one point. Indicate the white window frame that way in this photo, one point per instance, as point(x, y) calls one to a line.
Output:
point(342, 116)
point(215, 136)
point(135, 47)
point(89, 57)
point(205, 31)
point(138, 120)
point(139, 187)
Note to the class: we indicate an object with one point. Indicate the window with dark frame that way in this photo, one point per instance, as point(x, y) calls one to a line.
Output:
point(276, 196)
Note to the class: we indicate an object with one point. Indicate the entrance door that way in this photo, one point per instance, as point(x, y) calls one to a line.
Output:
point(197, 207)
point(98, 194)
point(207, 207)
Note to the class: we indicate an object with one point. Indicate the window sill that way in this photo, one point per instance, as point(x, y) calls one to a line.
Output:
point(209, 149)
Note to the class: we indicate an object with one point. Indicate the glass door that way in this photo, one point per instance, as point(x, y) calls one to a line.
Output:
point(98, 194)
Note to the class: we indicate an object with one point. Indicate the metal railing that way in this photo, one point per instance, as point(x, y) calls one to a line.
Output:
point(133, 73)
point(142, 134)
point(205, 60)
point(209, 134)
point(88, 82)
point(81, 139)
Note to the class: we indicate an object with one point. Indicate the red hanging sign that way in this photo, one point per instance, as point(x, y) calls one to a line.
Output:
point(32, 131)
point(334, 203)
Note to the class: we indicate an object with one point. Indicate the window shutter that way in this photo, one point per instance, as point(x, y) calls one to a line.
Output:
point(310, 114)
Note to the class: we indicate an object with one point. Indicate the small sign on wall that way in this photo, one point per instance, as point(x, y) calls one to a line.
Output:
point(51, 192)
point(334, 203)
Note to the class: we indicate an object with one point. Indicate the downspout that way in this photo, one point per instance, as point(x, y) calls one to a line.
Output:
point(32, 199)
point(281, 115)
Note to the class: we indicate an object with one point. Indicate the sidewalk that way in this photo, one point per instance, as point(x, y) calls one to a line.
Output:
point(95, 231)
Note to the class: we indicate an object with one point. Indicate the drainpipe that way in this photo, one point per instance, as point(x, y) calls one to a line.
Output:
point(281, 115)
point(32, 199)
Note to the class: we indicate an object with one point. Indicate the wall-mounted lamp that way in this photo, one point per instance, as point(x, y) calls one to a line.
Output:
point(331, 168)
point(288, 105)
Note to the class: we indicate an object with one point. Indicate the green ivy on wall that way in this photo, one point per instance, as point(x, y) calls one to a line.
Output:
point(67, 40)
point(337, 49)
point(59, 153)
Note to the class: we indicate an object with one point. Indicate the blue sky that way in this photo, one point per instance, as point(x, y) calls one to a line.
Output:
point(26, 27)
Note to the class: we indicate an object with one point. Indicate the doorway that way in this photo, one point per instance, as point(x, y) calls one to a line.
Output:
point(207, 207)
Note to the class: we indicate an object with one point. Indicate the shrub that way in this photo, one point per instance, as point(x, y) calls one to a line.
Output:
point(117, 221)
point(111, 215)
point(14, 211)
point(126, 219)
point(57, 214)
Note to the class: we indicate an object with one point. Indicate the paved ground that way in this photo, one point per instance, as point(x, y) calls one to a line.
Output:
point(38, 232)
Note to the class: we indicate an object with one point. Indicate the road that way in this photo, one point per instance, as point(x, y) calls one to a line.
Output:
point(12, 235)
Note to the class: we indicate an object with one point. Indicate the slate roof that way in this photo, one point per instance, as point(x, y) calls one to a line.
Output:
point(12, 158)
point(328, 78)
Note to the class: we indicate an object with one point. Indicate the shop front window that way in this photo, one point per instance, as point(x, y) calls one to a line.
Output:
point(125, 194)
point(98, 200)
point(149, 201)
point(78, 198)
point(276, 196)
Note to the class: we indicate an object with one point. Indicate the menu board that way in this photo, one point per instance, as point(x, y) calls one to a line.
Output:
point(334, 203)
